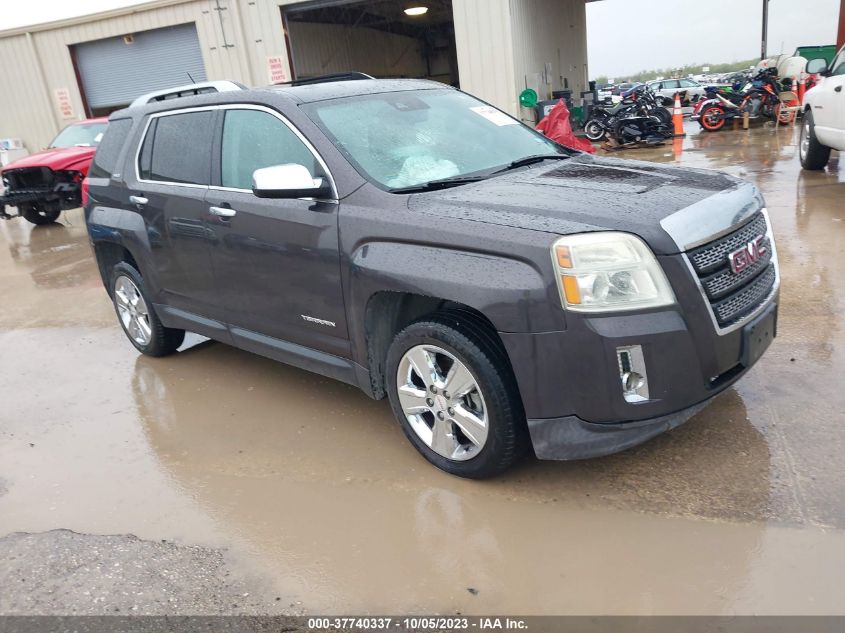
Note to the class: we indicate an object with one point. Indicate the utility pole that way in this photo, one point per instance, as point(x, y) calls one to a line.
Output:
point(765, 29)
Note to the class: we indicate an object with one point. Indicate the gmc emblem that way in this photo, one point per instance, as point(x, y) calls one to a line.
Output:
point(743, 257)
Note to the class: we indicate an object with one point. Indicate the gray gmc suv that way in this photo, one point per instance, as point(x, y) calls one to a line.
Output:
point(504, 292)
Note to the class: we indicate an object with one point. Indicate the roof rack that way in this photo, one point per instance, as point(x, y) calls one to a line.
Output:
point(189, 90)
point(324, 79)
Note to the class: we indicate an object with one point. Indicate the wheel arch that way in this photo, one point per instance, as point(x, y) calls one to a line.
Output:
point(388, 312)
point(118, 236)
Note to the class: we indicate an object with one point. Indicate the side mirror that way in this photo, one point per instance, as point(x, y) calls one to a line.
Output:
point(816, 66)
point(288, 181)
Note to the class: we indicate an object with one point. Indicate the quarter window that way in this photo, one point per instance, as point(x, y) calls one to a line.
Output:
point(177, 148)
point(253, 139)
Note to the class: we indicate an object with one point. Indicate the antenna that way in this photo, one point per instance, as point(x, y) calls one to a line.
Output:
point(189, 77)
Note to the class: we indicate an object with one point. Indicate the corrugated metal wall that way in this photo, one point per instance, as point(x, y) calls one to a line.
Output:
point(485, 51)
point(320, 49)
point(554, 32)
point(238, 36)
point(235, 43)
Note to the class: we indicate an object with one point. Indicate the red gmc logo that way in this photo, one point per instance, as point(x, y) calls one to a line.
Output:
point(743, 257)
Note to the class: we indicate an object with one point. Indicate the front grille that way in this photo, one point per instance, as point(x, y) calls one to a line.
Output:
point(708, 258)
point(733, 296)
point(29, 178)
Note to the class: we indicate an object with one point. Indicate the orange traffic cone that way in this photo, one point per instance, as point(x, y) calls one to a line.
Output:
point(678, 117)
point(802, 87)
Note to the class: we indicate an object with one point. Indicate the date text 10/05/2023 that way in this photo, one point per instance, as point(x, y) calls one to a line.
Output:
point(417, 623)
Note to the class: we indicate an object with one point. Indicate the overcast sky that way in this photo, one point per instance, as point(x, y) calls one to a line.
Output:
point(624, 36)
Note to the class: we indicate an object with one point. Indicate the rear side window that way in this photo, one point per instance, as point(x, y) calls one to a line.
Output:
point(177, 148)
point(108, 151)
point(253, 139)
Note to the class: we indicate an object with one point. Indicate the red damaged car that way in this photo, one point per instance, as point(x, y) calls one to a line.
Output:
point(41, 186)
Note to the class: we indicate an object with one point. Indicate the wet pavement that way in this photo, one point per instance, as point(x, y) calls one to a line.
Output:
point(304, 494)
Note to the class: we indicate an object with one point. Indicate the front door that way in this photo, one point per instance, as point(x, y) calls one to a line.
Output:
point(276, 260)
point(829, 105)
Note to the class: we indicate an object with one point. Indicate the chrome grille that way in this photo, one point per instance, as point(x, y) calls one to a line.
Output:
point(733, 296)
point(714, 255)
point(746, 300)
point(723, 282)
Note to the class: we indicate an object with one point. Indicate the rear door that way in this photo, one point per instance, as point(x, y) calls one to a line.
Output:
point(276, 260)
point(168, 186)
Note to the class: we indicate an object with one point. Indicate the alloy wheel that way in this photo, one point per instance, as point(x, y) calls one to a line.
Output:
point(442, 402)
point(804, 144)
point(132, 310)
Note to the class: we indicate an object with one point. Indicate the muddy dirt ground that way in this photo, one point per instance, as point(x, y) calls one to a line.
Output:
point(216, 481)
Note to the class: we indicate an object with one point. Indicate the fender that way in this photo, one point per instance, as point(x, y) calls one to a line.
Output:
point(126, 229)
point(511, 293)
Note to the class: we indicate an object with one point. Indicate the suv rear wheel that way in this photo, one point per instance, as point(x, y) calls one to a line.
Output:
point(137, 316)
point(813, 154)
point(39, 214)
point(450, 387)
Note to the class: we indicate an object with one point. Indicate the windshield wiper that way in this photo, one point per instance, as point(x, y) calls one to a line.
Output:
point(530, 160)
point(442, 183)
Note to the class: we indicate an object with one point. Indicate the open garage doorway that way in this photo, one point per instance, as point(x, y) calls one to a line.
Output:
point(377, 37)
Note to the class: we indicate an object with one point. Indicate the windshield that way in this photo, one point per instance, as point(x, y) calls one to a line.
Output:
point(80, 135)
point(401, 139)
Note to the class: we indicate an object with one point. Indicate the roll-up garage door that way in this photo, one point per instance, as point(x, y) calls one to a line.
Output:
point(116, 70)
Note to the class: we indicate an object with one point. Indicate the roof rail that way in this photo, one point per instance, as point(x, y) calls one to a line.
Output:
point(324, 79)
point(188, 90)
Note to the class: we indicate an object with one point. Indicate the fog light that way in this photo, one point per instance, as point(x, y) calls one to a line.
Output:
point(632, 373)
point(632, 381)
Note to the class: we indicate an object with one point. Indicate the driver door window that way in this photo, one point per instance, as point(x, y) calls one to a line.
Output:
point(253, 139)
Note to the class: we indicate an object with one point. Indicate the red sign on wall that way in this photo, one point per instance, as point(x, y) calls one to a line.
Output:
point(64, 103)
point(276, 69)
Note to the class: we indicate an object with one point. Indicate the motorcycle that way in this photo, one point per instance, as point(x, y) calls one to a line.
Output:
point(759, 97)
point(638, 117)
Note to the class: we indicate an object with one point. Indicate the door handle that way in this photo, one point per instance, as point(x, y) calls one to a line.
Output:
point(223, 212)
point(139, 200)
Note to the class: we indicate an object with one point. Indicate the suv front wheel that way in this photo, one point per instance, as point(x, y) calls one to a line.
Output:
point(136, 314)
point(451, 388)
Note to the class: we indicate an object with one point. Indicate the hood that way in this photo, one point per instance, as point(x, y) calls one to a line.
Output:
point(587, 193)
point(55, 158)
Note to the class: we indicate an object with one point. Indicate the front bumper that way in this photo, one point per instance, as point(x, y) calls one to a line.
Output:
point(570, 380)
point(570, 437)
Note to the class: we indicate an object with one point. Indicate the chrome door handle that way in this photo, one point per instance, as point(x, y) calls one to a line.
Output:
point(223, 212)
point(138, 200)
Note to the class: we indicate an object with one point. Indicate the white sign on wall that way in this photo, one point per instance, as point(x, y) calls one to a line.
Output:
point(276, 69)
point(64, 103)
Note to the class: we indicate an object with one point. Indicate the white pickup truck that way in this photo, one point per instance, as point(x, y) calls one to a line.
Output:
point(824, 113)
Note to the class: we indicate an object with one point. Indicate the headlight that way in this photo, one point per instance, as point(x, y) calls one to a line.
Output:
point(607, 272)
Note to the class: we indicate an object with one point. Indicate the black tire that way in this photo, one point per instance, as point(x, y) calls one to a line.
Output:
point(664, 116)
point(468, 339)
point(594, 130)
point(39, 214)
point(815, 155)
point(163, 340)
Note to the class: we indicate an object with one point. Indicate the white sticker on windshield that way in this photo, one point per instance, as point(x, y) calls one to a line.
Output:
point(98, 138)
point(494, 116)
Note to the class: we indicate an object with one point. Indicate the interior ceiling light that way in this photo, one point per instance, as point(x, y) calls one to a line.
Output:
point(416, 10)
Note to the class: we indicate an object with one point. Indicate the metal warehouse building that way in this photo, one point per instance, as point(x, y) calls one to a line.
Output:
point(94, 64)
